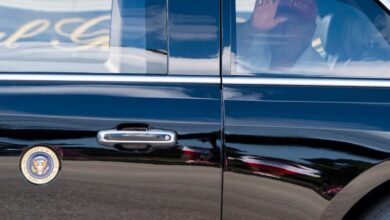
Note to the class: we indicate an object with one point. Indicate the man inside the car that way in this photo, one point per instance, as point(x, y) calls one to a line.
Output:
point(277, 37)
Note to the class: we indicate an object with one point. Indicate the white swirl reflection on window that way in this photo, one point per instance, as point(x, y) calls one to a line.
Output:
point(76, 36)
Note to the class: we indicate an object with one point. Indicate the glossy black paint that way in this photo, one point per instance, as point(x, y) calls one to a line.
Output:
point(289, 150)
point(103, 182)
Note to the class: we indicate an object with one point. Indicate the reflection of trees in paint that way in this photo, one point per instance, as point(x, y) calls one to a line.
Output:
point(324, 175)
point(323, 165)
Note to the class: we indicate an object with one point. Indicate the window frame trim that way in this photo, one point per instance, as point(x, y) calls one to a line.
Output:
point(385, 3)
point(322, 82)
point(7, 77)
point(184, 79)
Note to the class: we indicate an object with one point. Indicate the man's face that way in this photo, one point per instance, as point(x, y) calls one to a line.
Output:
point(293, 36)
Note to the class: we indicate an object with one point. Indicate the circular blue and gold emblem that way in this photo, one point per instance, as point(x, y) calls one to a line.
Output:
point(40, 165)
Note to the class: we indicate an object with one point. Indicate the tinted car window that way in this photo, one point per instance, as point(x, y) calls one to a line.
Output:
point(346, 38)
point(194, 37)
point(97, 36)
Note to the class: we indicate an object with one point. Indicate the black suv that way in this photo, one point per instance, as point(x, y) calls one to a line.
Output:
point(178, 109)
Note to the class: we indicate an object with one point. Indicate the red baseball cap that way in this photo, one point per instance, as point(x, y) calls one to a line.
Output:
point(307, 9)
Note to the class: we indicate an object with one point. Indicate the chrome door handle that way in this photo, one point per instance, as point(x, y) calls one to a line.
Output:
point(136, 138)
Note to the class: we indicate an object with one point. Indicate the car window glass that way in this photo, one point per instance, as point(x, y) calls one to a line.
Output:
point(91, 36)
point(194, 37)
point(345, 38)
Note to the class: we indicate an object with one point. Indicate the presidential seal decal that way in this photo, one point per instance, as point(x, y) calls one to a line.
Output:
point(40, 165)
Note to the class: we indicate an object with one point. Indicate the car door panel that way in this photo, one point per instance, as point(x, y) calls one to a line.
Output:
point(107, 182)
point(306, 98)
point(291, 149)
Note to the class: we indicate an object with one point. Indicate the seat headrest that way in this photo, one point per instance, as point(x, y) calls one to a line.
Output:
point(347, 33)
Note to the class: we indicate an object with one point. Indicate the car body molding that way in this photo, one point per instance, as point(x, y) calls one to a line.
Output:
point(111, 78)
point(197, 80)
point(306, 82)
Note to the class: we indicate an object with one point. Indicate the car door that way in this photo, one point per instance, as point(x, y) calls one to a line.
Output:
point(306, 102)
point(110, 110)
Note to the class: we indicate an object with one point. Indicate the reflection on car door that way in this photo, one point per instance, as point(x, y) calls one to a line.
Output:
point(130, 146)
point(112, 181)
point(295, 141)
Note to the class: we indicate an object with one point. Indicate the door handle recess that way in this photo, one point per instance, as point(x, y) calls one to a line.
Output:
point(151, 137)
